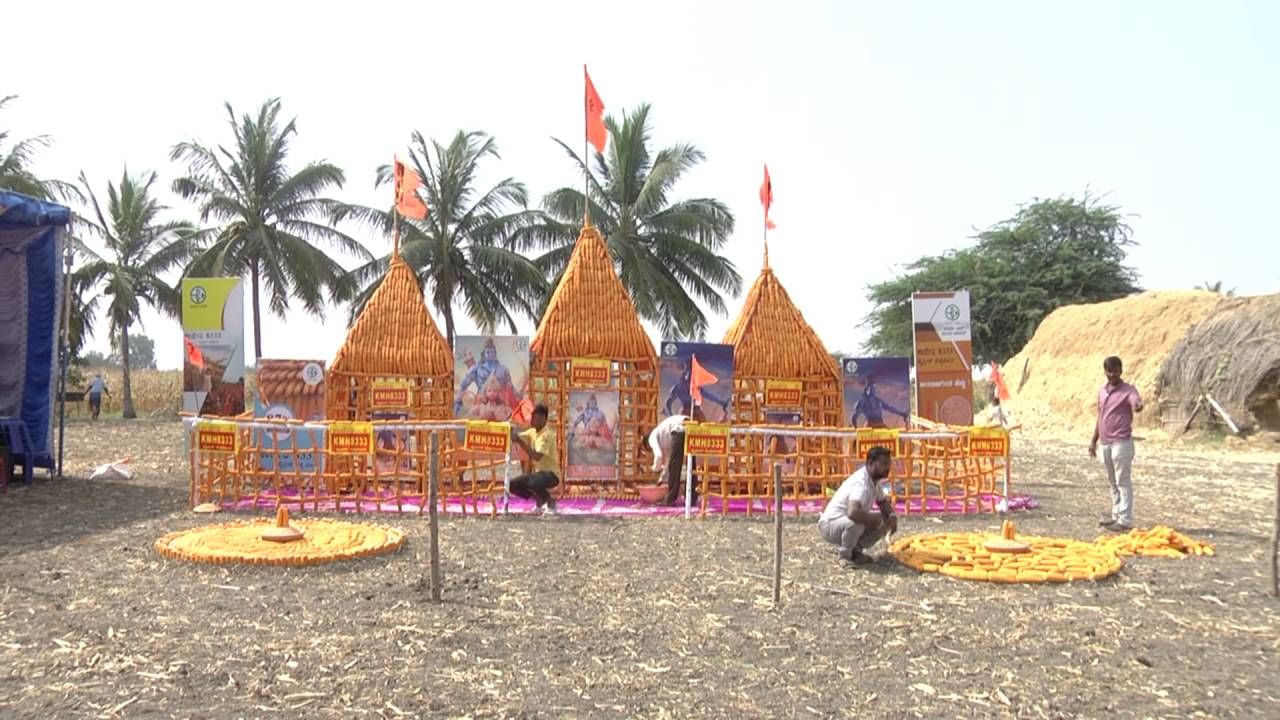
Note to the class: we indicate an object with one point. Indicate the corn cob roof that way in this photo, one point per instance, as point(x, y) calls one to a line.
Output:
point(590, 313)
point(771, 339)
point(395, 334)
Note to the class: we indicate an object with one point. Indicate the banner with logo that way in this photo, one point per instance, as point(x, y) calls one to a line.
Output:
point(218, 436)
point(944, 356)
point(590, 372)
point(876, 437)
point(988, 442)
point(701, 438)
point(290, 390)
point(783, 393)
point(877, 391)
point(483, 436)
point(389, 393)
point(213, 346)
point(591, 435)
point(350, 438)
point(490, 376)
point(688, 370)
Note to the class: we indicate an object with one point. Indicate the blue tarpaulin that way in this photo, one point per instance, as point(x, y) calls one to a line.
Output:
point(31, 238)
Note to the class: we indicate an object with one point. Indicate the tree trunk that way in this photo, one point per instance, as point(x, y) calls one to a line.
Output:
point(127, 410)
point(447, 310)
point(257, 319)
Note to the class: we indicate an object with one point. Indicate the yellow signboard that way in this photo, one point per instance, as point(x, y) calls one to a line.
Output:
point(876, 437)
point(487, 437)
point(350, 438)
point(783, 393)
point(988, 442)
point(706, 438)
point(388, 394)
point(590, 372)
point(218, 436)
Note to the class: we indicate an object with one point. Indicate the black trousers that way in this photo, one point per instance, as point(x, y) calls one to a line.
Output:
point(675, 470)
point(534, 486)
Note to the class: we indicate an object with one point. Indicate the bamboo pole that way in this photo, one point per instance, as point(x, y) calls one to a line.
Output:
point(777, 535)
point(433, 489)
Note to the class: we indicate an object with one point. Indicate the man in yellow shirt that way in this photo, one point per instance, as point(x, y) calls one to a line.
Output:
point(539, 443)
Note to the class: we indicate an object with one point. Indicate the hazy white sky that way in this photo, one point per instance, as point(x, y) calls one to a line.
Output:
point(891, 130)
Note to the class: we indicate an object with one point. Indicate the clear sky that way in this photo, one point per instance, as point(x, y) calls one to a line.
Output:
point(891, 129)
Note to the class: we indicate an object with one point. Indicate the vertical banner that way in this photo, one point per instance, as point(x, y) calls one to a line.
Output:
point(944, 356)
point(591, 435)
point(877, 391)
point(490, 376)
point(213, 342)
point(782, 445)
point(712, 375)
point(290, 390)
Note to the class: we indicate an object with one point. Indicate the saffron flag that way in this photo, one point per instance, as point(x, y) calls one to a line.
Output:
point(596, 132)
point(698, 377)
point(766, 197)
point(194, 356)
point(524, 411)
point(997, 379)
point(407, 201)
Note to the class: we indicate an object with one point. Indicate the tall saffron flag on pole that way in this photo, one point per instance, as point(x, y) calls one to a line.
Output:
point(596, 132)
point(698, 377)
point(408, 203)
point(194, 355)
point(997, 379)
point(766, 197)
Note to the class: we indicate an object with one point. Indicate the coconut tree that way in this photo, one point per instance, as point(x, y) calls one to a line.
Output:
point(269, 224)
point(15, 167)
point(460, 249)
point(140, 247)
point(668, 252)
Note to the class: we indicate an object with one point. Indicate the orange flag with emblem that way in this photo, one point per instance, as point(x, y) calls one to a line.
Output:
point(597, 134)
point(698, 377)
point(407, 201)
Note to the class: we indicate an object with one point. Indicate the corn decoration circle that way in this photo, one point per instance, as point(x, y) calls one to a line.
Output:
point(965, 555)
point(245, 542)
point(1159, 541)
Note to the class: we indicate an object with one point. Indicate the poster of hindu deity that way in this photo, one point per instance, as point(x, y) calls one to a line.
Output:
point(491, 376)
point(591, 435)
point(691, 370)
point(877, 391)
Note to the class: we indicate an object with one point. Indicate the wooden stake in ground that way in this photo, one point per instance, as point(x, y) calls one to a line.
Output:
point(433, 490)
point(777, 535)
point(1275, 542)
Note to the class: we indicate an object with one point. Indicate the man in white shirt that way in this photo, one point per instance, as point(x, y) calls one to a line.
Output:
point(666, 442)
point(859, 514)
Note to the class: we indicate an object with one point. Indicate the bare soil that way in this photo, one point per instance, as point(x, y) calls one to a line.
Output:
point(567, 617)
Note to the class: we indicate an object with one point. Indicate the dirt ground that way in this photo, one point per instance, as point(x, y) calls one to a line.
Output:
point(564, 617)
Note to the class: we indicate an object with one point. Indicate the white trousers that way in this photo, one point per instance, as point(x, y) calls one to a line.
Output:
point(1117, 457)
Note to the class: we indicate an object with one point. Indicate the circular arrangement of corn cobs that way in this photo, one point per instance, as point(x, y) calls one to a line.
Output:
point(242, 542)
point(1159, 541)
point(964, 555)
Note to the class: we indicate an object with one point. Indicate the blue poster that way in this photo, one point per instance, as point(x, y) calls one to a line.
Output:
point(877, 391)
point(706, 368)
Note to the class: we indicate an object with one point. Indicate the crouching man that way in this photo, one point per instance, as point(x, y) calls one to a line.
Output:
point(859, 514)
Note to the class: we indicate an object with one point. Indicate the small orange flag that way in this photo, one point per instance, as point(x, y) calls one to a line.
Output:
point(194, 356)
point(596, 132)
point(407, 201)
point(699, 376)
point(997, 379)
point(766, 197)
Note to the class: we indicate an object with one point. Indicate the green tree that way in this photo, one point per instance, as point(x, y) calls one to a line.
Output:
point(269, 223)
point(140, 248)
point(142, 353)
point(1051, 253)
point(460, 250)
point(668, 252)
point(16, 174)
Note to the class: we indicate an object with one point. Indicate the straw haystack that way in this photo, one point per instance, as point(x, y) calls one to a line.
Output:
point(1054, 380)
point(591, 315)
point(772, 341)
point(1234, 355)
point(393, 339)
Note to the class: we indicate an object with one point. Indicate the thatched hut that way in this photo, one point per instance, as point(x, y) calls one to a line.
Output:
point(393, 339)
point(591, 315)
point(1234, 355)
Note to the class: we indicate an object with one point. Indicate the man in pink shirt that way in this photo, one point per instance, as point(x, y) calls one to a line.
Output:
point(1117, 402)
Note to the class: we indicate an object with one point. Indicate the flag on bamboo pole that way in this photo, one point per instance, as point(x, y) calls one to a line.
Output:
point(596, 132)
point(997, 379)
point(194, 355)
point(407, 201)
point(698, 377)
point(766, 197)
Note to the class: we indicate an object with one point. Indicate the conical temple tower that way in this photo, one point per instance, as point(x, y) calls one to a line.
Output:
point(591, 315)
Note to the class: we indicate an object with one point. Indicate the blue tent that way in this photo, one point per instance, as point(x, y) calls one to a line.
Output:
point(31, 246)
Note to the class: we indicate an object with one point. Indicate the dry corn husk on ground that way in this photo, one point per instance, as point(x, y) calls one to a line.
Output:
point(240, 543)
point(1158, 541)
point(964, 555)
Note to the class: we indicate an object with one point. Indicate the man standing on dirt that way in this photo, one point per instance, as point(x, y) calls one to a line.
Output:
point(859, 514)
point(97, 386)
point(1117, 402)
